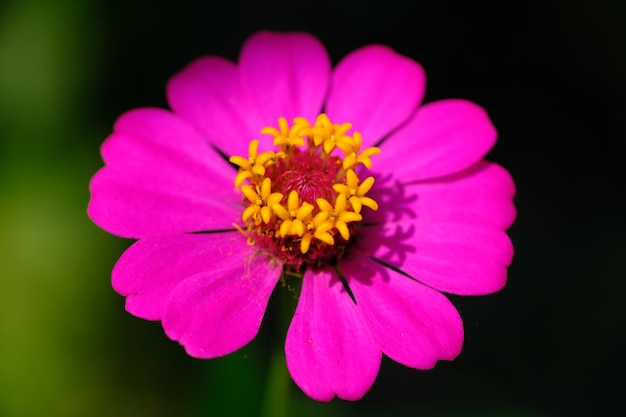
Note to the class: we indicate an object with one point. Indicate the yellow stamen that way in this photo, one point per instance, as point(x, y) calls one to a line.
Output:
point(254, 166)
point(355, 192)
point(273, 211)
point(337, 216)
point(261, 200)
point(354, 158)
point(285, 137)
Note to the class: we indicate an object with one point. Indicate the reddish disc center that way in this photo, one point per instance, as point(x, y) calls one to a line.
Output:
point(309, 173)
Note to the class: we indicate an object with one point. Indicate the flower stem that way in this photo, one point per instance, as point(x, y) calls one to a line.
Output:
point(278, 382)
point(276, 399)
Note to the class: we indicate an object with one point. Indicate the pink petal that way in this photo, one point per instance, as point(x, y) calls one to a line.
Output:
point(161, 178)
point(460, 253)
point(411, 323)
point(147, 272)
point(485, 189)
point(130, 203)
point(218, 311)
point(329, 351)
point(157, 137)
point(444, 137)
point(286, 74)
point(208, 94)
point(376, 90)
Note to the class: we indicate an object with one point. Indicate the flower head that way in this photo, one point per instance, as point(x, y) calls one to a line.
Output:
point(338, 177)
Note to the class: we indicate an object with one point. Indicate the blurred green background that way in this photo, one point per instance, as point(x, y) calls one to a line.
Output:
point(552, 78)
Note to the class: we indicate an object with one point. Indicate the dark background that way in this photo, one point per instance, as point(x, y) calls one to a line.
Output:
point(550, 74)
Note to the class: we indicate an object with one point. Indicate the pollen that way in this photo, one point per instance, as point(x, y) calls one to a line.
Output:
point(303, 200)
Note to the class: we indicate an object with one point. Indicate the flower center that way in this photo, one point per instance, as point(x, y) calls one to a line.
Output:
point(304, 199)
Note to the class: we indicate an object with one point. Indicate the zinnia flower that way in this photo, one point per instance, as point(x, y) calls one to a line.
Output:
point(279, 167)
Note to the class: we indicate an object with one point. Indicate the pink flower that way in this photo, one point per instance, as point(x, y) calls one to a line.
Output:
point(375, 248)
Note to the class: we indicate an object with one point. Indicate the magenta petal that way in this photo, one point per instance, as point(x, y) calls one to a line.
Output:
point(286, 74)
point(329, 351)
point(460, 253)
point(485, 189)
point(161, 177)
point(444, 137)
point(220, 310)
point(376, 90)
point(135, 204)
point(163, 140)
point(411, 323)
point(208, 94)
point(148, 271)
